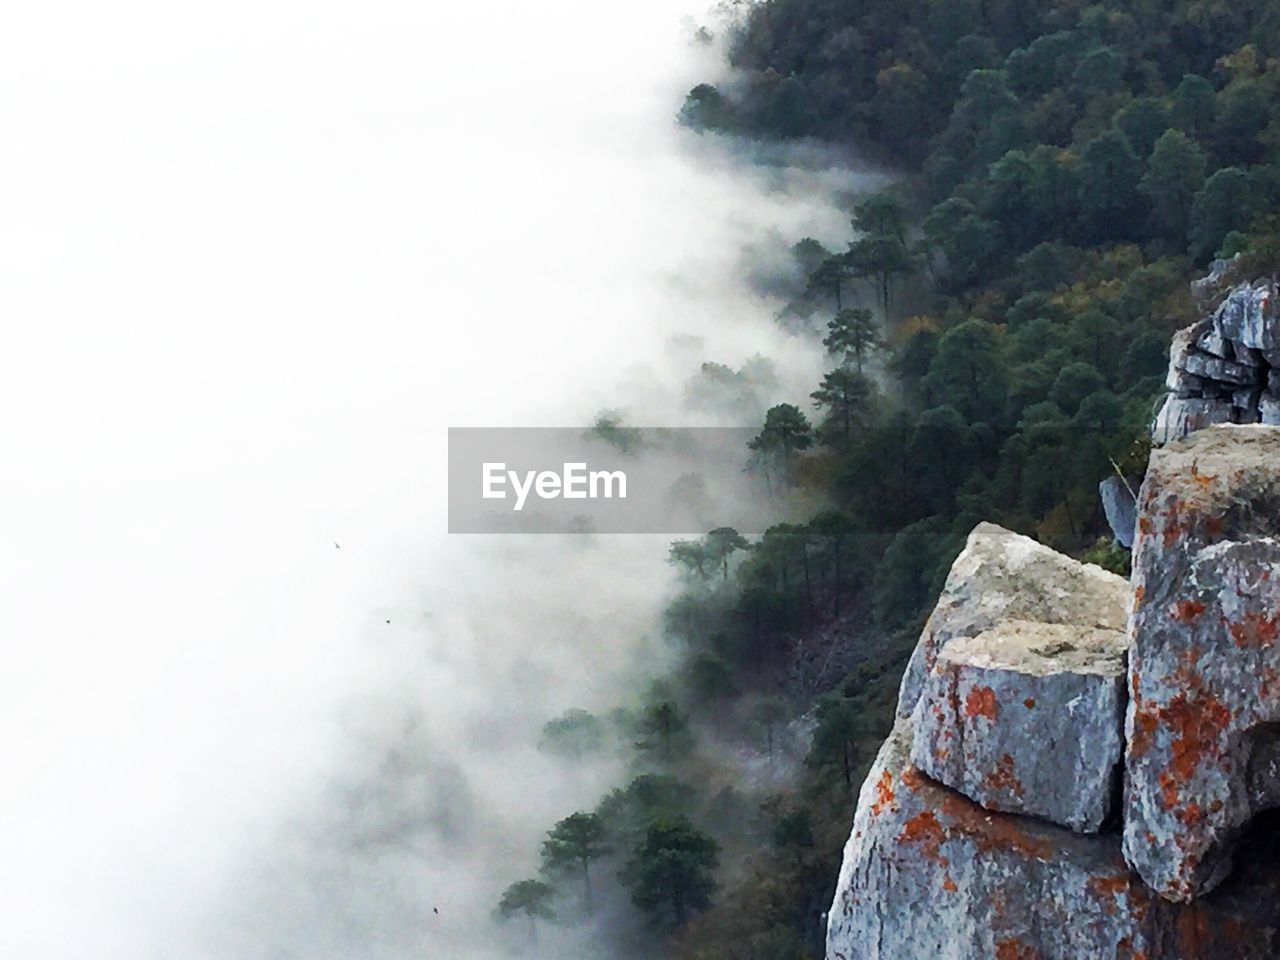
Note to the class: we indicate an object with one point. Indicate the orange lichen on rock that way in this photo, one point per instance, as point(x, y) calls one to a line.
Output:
point(1145, 723)
point(912, 779)
point(1203, 480)
point(1107, 889)
point(925, 830)
point(1191, 814)
point(993, 831)
point(1172, 527)
point(1255, 631)
point(884, 793)
point(1029, 702)
point(1168, 791)
point(981, 702)
point(1197, 727)
point(1185, 610)
point(1003, 778)
point(1012, 948)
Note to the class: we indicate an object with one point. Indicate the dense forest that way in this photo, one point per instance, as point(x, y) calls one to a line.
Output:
point(997, 334)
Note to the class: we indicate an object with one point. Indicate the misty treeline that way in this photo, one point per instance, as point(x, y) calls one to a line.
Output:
point(997, 335)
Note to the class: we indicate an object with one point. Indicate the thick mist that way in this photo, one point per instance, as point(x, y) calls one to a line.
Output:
point(256, 702)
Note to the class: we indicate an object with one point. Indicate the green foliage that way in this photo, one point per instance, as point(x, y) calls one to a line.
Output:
point(575, 733)
point(968, 372)
point(705, 108)
point(846, 396)
point(671, 870)
point(663, 731)
point(629, 811)
point(531, 899)
point(786, 432)
point(1174, 176)
point(572, 845)
point(1070, 166)
point(851, 337)
point(1109, 555)
point(1225, 204)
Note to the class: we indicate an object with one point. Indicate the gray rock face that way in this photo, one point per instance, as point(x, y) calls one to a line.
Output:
point(1204, 715)
point(1121, 509)
point(1209, 287)
point(930, 875)
point(1183, 415)
point(1001, 575)
point(972, 834)
point(1026, 718)
point(1226, 367)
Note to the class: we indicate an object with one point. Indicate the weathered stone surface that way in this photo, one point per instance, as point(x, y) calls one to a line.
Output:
point(1121, 509)
point(1248, 317)
point(1210, 287)
point(1181, 416)
point(1211, 341)
point(1002, 575)
point(1220, 366)
point(1205, 666)
point(1269, 411)
point(1026, 718)
point(929, 875)
point(1215, 368)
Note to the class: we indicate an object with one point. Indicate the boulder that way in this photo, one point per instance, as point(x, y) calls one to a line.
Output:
point(1248, 317)
point(1026, 718)
point(1223, 368)
point(1215, 368)
point(930, 875)
point(1120, 507)
point(1210, 287)
point(1204, 714)
point(1001, 575)
point(1181, 416)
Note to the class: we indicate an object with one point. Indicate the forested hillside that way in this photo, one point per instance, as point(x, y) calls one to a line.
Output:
point(998, 334)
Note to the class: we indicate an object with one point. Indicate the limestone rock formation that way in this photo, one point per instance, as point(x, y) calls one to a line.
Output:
point(984, 695)
point(1209, 288)
point(972, 837)
point(1203, 722)
point(1121, 508)
point(930, 875)
point(1226, 367)
point(1001, 575)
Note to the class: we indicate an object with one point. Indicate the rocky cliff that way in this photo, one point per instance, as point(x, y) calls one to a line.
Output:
point(1087, 767)
point(1226, 367)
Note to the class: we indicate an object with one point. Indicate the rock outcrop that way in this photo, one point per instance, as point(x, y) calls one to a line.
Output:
point(1120, 505)
point(1226, 367)
point(1001, 575)
point(989, 825)
point(1204, 716)
point(930, 875)
point(986, 692)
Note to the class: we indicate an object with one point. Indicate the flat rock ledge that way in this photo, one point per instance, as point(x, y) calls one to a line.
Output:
point(1001, 575)
point(930, 875)
point(1026, 718)
point(1203, 723)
